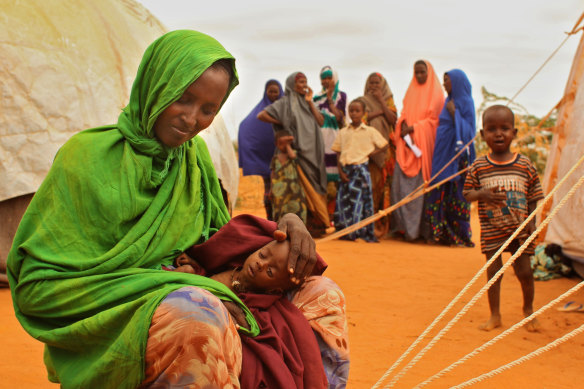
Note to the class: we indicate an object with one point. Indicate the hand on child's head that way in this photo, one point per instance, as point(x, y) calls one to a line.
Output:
point(279, 235)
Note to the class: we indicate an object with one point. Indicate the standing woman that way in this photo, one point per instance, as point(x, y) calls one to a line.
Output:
point(332, 105)
point(418, 121)
point(446, 209)
point(255, 142)
point(295, 114)
point(381, 114)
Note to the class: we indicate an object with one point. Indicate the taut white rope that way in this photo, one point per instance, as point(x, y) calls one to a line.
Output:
point(524, 358)
point(494, 279)
point(419, 191)
point(567, 294)
point(473, 280)
point(575, 29)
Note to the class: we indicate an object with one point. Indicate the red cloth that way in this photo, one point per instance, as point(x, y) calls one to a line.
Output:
point(285, 354)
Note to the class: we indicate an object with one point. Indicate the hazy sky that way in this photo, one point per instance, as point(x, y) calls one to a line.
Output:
point(499, 43)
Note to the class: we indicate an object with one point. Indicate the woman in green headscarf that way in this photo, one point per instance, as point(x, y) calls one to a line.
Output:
point(120, 202)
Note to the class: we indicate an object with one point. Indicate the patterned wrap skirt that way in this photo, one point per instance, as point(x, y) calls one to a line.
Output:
point(355, 202)
point(193, 342)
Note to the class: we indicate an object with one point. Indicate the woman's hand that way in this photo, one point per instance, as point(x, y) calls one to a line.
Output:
point(266, 117)
point(302, 257)
point(309, 93)
point(392, 117)
point(377, 94)
point(405, 129)
point(451, 107)
point(236, 313)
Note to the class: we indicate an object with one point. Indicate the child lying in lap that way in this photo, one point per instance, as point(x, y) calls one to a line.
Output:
point(250, 257)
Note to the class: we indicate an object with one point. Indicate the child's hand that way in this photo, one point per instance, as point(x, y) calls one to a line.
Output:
point(186, 264)
point(283, 141)
point(236, 313)
point(530, 227)
point(343, 176)
point(493, 197)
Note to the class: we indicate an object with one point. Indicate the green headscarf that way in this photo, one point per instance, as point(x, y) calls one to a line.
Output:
point(85, 265)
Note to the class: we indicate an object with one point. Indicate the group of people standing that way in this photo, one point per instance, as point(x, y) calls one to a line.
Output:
point(293, 140)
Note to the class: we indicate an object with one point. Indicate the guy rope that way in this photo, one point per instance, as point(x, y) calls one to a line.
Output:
point(419, 191)
point(418, 356)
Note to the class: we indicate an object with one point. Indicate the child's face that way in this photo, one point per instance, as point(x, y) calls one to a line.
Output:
point(301, 85)
point(273, 92)
point(194, 110)
point(447, 84)
point(283, 141)
point(421, 73)
point(498, 130)
point(356, 112)
point(266, 270)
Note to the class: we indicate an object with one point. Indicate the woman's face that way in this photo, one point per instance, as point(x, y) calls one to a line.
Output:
point(447, 84)
point(194, 110)
point(300, 85)
point(374, 83)
point(273, 92)
point(327, 83)
point(421, 73)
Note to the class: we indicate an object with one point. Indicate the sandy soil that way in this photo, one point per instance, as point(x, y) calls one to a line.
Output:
point(394, 290)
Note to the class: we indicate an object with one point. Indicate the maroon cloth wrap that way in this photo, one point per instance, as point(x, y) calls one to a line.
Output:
point(285, 354)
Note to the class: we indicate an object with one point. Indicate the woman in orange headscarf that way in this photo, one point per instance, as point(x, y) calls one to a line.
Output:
point(414, 143)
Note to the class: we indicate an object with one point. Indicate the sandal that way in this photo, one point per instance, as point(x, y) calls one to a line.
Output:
point(571, 306)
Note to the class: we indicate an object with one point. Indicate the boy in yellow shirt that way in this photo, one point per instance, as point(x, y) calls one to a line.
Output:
point(354, 145)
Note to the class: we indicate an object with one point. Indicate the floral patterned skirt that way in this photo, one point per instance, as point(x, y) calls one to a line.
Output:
point(448, 214)
point(193, 343)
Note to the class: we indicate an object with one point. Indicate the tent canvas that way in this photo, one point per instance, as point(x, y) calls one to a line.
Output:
point(567, 227)
point(64, 68)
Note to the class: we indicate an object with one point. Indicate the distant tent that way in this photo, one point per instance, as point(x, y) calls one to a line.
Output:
point(567, 227)
point(65, 66)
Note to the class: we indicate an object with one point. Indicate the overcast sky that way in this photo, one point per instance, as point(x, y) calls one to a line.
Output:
point(499, 43)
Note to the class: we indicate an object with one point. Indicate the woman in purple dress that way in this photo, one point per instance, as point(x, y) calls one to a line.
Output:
point(256, 142)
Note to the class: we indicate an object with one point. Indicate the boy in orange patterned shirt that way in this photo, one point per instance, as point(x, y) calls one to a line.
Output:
point(507, 187)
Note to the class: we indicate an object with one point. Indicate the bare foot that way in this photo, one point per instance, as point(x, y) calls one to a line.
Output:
point(533, 325)
point(492, 323)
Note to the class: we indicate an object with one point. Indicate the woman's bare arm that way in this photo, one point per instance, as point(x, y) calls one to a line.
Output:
point(266, 117)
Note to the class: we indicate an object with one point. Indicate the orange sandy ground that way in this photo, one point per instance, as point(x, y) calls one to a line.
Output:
point(394, 290)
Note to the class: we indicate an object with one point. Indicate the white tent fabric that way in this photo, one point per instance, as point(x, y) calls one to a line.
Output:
point(64, 66)
point(567, 227)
